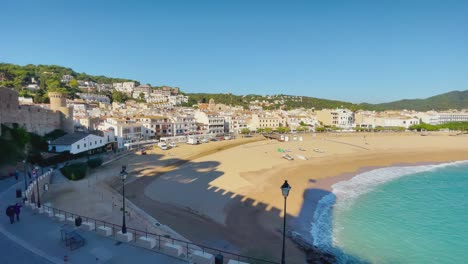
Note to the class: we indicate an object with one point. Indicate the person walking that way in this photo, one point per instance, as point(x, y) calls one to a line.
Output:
point(10, 212)
point(17, 211)
point(16, 174)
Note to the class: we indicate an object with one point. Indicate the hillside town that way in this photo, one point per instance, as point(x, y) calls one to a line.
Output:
point(153, 114)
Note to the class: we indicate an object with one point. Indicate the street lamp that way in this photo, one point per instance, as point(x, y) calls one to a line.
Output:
point(36, 171)
point(25, 179)
point(123, 176)
point(285, 188)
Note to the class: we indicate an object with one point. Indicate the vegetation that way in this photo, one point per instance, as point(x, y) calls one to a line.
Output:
point(320, 129)
point(18, 144)
point(119, 97)
point(459, 126)
point(75, 171)
point(49, 79)
point(451, 100)
point(283, 129)
point(94, 163)
point(245, 131)
point(302, 128)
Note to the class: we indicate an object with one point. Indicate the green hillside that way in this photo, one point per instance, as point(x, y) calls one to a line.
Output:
point(273, 102)
point(48, 77)
point(450, 100)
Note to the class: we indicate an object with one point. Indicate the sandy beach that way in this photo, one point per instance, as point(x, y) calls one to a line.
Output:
point(227, 194)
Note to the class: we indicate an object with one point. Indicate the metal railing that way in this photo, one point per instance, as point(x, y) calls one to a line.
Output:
point(187, 248)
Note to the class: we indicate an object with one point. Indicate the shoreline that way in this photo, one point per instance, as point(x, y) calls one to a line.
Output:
point(303, 225)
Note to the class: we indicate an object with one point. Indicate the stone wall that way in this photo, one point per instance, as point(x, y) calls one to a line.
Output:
point(34, 118)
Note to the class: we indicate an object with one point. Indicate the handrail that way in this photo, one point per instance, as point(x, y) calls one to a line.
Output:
point(160, 238)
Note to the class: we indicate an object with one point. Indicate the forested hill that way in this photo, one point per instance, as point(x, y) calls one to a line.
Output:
point(450, 100)
point(48, 76)
point(270, 102)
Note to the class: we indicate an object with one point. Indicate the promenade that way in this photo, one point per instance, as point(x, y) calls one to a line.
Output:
point(37, 239)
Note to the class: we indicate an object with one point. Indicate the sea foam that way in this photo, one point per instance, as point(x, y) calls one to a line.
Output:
point(345, 193)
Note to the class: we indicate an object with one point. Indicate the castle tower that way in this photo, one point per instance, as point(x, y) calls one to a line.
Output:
point(58, 102)
point(212, 105)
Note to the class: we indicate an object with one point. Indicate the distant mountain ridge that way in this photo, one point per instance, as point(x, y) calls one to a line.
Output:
point(451, 100)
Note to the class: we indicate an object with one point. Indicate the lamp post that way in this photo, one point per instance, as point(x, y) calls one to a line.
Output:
point(123, 176)
point(25, 177)
point(36, 171)
point(285, 190)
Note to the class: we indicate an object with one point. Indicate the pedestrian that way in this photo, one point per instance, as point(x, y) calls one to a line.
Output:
point(17, 211)
point(10, 212)
point(16, 174)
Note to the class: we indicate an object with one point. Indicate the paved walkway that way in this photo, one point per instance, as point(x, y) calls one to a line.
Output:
point(36, 239)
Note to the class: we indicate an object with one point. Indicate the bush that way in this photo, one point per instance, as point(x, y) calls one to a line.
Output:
point(75, 171)
point(94, 163)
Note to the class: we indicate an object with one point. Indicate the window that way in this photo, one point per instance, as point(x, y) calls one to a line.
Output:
point(85, 145)
point(78, 146)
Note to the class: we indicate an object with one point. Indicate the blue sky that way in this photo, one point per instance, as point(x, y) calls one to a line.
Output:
point(373, 51)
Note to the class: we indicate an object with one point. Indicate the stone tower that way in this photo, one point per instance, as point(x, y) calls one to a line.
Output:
point(212, 105)
point(58, 102)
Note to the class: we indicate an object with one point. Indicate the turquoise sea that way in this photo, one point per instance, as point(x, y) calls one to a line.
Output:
point(414, 214)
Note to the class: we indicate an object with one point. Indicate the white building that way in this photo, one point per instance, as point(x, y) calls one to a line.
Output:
point(155, 126)
point(343, 118)
point(214, 124)
point(76, 143)
point(183, 125)
point(125, 131)
point(437, 118)
point(369, 119)
point(89, 97)
point(125, 87)
point(177, 99)
point(67, 78)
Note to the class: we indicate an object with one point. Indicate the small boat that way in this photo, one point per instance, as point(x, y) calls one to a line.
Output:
point(301, 149)
point(288, 157)
point(286, 150)
point(301, 157)
point(172, 145)
point(319, 150)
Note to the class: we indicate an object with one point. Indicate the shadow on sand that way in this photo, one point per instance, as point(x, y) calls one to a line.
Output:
point(251, 228)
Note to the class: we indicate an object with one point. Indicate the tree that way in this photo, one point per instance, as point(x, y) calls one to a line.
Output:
point(268, 130)
point(260, 130)
point(302, 128)
point(141, 96)
point(283, 129)
point(320, 129)
point(245, 131)
point(73, 83)
point(119, 97)
point(20, 135)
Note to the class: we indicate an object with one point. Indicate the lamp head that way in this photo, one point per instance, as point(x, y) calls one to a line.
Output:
point(285, 188)
point(123, 173)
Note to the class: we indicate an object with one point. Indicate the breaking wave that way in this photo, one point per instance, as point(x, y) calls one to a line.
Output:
point(345, 193)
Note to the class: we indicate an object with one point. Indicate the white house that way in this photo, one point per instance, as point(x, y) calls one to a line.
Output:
point(77, 143)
